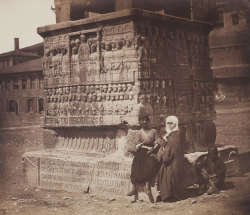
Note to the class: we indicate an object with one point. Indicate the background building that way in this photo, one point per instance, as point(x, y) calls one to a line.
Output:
point(230, 49)
point(21, 86)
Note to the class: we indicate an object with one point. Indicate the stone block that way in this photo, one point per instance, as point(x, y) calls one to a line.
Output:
point(31, 171)
point(59, 171)
point(233, 167)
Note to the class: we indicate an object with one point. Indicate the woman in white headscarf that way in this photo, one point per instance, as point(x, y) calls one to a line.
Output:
point(171, 155)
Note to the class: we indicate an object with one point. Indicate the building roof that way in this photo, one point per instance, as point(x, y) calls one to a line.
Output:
point(18, 53)
point(24, 52)
point(28, 66)
point(32, 47)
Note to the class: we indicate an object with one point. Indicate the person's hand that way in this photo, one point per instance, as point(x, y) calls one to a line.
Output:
point(212, 176)
point(138, 145)
point(149, 152)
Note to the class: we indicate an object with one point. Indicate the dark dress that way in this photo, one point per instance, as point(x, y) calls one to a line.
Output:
point(170, 178)
point(144, 167)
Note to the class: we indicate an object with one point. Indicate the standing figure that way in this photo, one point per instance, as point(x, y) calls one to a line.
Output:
point(46, 63)
point(75, 70)
point(171, 156)
point(84, 52)
point(145, 166)
point(65, 63)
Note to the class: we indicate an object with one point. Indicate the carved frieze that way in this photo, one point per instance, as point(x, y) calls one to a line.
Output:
point(113, 72)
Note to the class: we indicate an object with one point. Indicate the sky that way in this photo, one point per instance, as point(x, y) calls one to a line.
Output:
point(21, 18)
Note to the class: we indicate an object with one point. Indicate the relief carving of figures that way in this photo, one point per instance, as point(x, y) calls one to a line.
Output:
point(108, 108)
point(157, 106)
point(161, 54)
point(116, 64)
point(84, 50)
point(83, 104)
point(65, 106)
point(182, 48)
point(52, 65)
point(59, 62)
point(196, 51)
point(94, 66)
point(164, 104)
point(119, 52)
point(171, 53)
point(154, 34)
point(46, 63)
point(142, 49)
point(95, 109)
point(65, 64)
point(106, 65)
point(75, 70)
point(84, 53)
point(142, 58)
point(148, 105)
point(196, 103)
point(140, 109)
point(88, 107)
point(99, 102)
point(204, 49)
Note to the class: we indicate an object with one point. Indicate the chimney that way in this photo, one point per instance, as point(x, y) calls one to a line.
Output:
point(16, 43)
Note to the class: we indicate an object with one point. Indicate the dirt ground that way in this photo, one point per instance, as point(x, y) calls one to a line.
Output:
point(234, 199)
point(17, 198)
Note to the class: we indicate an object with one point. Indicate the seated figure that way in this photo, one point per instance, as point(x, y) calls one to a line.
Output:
point(211, 171)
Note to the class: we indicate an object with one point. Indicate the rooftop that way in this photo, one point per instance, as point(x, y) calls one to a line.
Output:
point(24, 52)
point(28, 66)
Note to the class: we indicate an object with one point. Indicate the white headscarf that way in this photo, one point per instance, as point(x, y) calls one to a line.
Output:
point(174, 120)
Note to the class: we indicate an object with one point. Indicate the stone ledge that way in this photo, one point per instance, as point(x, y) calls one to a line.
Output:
point(46, 30)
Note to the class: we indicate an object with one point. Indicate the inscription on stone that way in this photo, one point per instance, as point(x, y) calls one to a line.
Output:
point(59, 174)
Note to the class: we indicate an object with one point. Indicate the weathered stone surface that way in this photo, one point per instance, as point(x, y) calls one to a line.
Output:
point(100, 75)
point(77, 173)
point(109, 69)
point(110, 174)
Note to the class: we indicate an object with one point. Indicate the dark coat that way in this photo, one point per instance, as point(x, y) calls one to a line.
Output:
point(170, 181)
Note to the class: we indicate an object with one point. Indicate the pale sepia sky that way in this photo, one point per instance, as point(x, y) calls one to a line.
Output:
point(20, 18)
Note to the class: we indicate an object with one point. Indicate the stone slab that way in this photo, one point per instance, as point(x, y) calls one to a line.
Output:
point(111, 175)
point(58, 171)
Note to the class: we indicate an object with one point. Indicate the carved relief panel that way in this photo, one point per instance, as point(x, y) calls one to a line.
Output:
point(107, 74)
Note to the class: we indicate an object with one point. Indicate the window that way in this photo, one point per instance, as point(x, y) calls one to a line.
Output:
point(16, 84)
point(40, 105)
point(32, 83)
point(30, 105)
point(40, 81)
point(12, 106)
point(24, 84)
point(235, 18)
point(3, 86)
point(7, 85)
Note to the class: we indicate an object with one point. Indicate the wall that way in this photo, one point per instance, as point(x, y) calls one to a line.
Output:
point(22, 113)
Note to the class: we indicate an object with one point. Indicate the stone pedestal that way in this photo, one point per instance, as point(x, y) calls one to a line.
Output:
point(78, 173)
point(100, 74)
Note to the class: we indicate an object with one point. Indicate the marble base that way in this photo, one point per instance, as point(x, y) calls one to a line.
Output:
point(55, 170)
